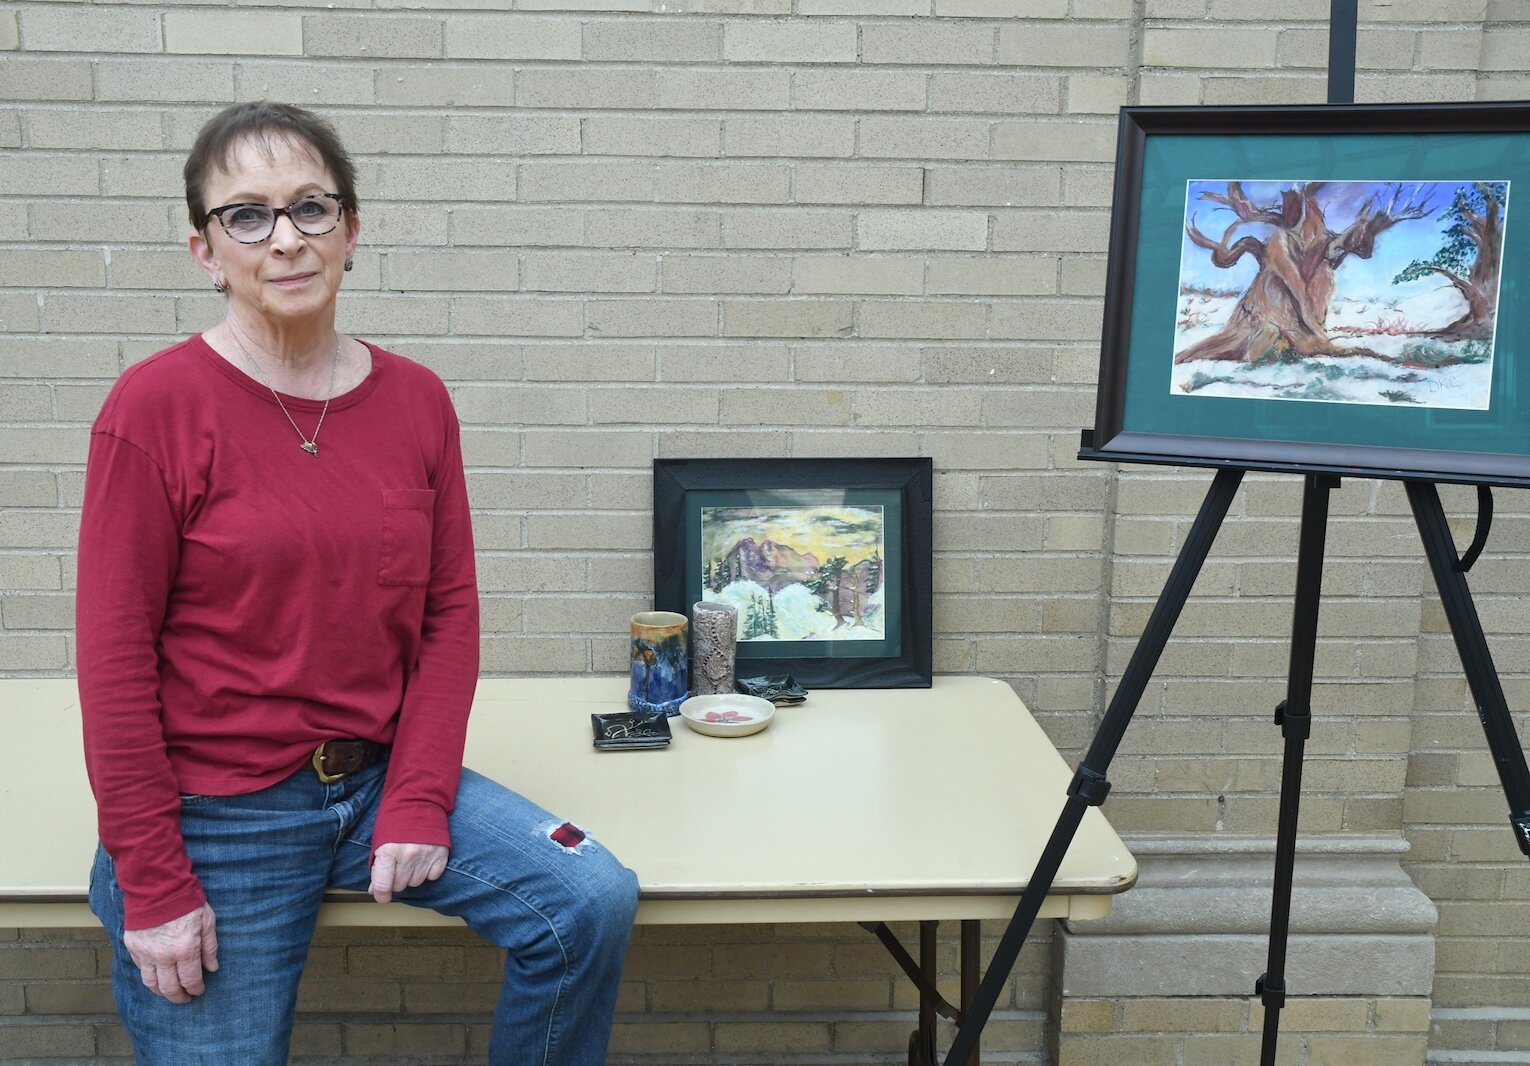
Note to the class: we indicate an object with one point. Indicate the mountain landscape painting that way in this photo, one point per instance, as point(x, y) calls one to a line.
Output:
point(1359, 292)
point(797, 572)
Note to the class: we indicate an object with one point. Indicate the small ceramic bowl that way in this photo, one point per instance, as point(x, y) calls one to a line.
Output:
point(727, 714)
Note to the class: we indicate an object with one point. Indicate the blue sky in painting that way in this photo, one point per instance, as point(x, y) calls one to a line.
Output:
point(1342, 202)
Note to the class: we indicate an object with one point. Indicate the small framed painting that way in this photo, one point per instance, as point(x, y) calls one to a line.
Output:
point(1325, 289)
point(826, 560)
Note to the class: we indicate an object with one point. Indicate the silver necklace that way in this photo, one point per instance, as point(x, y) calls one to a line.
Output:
point(310, 444)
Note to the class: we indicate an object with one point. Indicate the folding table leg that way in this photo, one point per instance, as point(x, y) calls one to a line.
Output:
point(922, 1041)
point(929, 966)
point(972, 947)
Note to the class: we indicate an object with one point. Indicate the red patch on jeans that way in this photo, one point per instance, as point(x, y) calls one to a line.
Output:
point(568, 834)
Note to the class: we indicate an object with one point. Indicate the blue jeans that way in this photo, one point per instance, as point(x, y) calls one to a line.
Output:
point(562, 907)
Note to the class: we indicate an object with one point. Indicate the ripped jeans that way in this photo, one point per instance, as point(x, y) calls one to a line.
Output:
point(519, 877)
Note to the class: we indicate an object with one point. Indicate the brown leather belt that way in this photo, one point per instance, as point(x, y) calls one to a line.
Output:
point(334, 759)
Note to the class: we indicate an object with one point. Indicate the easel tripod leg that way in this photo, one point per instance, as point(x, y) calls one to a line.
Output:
point(1089, 784)
point(1471, 644)
point(1294, 716)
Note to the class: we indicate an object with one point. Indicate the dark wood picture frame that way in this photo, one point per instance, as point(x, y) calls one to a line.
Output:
point(1138, 420)
point(903, 488)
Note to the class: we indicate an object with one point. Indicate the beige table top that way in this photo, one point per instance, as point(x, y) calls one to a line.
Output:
point(859, 805)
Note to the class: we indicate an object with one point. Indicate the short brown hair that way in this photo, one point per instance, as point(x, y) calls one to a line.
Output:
point(265, 121)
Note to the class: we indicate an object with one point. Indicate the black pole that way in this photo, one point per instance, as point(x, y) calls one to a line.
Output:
point(1089, 784)
point(1294, 716)
point(925, 1037)
point(1343, 27)
point(1476, 660)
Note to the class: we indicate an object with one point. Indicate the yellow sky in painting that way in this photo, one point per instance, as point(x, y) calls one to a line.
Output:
point(825, 531)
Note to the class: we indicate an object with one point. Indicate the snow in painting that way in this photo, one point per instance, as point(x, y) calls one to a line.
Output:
point(1340, 291)
point(796, 572)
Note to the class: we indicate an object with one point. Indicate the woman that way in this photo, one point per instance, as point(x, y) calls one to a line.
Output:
point(278, 646)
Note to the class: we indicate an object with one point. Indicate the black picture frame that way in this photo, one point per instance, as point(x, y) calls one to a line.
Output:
point(900, 491)
point(1163, 152)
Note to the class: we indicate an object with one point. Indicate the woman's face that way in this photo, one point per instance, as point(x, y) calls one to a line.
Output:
point(290, 277)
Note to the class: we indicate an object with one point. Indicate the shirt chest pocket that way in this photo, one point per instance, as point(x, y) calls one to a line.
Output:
point(406, 536)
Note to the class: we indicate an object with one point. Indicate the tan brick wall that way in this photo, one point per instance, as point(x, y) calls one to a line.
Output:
point(1216, 1032)
point(623, 229)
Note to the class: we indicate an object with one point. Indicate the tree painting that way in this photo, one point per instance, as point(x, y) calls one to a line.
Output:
point(797, 571)
point(1340, 291)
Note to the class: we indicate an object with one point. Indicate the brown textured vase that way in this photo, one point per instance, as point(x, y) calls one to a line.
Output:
point(714, 639)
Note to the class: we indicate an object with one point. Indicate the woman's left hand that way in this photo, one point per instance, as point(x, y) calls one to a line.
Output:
point(396, 867)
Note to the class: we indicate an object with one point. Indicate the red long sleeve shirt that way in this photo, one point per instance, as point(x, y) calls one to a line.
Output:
point(241, 601)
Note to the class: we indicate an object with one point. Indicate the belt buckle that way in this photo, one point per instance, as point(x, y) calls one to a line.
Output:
point(318, 768)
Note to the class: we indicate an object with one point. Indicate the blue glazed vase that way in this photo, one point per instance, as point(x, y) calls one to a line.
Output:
point(660, 671)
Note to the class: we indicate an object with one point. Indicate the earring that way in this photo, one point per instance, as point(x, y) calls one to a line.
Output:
point(349, 263)
point(220, 287)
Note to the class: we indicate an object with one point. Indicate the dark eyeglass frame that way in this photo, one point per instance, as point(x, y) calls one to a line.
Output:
point(277, 213)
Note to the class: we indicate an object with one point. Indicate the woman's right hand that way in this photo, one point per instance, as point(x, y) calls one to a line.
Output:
point(171, 957)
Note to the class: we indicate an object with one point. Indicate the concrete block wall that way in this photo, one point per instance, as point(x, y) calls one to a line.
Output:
point(623, 229)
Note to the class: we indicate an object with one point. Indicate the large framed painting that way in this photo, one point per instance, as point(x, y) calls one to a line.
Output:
point(826, 560)
point(1328, 289)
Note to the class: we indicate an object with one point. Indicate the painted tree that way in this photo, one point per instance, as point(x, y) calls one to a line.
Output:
point(825, 583)
point(1469, 259)
point(1284, 311)
point(757, 621)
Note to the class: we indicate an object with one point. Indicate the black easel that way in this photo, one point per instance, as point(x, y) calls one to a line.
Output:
point(1294, 714)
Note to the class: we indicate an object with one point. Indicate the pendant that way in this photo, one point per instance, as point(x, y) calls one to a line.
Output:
point(310, 446)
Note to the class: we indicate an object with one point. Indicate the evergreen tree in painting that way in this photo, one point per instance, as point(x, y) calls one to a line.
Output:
point(1469, 258)
point(750, 626)
point(825, 583)
point(762, 620)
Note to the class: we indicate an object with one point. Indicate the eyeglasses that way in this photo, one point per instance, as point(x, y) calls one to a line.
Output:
point(313, 216)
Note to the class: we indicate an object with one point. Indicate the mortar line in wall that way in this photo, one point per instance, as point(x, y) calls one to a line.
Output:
point(1518, 1014)
point(1107, 576)
point(1134, 52)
